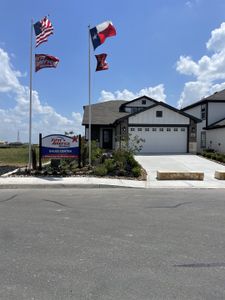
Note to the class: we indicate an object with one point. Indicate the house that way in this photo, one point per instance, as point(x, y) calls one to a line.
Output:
point(211, 129)
point(163, 128)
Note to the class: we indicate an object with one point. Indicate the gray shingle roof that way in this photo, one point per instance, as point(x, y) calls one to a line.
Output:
point(217, 96)
point(104, 113)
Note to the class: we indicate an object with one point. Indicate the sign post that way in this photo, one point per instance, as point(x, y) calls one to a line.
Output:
point(40, 157)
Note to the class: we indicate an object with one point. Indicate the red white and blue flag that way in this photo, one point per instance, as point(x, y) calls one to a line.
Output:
point(101, 32)
point(101, 62)
point(42, 30)
point(45, 61)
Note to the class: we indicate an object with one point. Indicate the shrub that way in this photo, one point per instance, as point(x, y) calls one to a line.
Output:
point(219, 157)
point(100, 170)
point(209, 154)
point(209, 150)
point(96, 152)
point(120, 157)
point(136, 171)
point(131, 161)
point(110, 165)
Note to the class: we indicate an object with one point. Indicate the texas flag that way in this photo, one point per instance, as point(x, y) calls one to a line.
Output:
point(101, 32)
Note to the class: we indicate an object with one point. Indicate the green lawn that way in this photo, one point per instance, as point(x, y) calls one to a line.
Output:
point(17, 156)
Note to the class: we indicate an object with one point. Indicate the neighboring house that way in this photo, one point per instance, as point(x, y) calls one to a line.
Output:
point(211, 129)
point(164, 128)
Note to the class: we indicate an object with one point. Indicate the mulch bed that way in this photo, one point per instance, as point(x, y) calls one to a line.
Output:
point(7, 169)
point(80, 173)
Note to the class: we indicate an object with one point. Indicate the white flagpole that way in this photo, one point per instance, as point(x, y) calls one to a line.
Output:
point(30, 113)
point(89, 94)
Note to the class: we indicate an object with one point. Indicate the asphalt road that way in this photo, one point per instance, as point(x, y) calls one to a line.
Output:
point(117, 244)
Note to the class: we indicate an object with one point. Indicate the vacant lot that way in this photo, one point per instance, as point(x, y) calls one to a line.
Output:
point(16, 156)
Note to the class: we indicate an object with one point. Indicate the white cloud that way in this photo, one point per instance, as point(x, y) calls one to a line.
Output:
point(217, 41)
point(156, 93)
point(45, 118)
point(192, 3)
point(208, 72)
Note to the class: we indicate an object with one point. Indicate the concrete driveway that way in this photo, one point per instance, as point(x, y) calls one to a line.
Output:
point(182, 162)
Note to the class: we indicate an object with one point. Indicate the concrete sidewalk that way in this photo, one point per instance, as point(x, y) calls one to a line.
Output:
point(68, 182)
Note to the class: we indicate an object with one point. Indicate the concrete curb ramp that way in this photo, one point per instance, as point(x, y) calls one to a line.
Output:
point(179, 175)
point(220, 175)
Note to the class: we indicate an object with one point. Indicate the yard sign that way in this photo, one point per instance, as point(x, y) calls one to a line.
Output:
point(60, 146)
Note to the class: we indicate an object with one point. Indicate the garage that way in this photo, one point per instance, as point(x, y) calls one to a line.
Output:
point(161, 139)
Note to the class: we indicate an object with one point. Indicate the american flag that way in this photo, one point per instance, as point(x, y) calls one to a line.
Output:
point(42, 30)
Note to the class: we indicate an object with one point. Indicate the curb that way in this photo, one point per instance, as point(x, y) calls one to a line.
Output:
point(63, 186)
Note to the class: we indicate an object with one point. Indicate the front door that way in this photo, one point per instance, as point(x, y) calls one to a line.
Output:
point(107, 139)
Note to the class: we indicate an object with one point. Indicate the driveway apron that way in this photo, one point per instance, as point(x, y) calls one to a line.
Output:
point(181, 162)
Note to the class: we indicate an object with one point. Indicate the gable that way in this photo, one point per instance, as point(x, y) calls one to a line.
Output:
point(140, 102)
point(149, 116)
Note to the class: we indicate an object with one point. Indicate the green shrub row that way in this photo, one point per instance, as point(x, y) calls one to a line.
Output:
point(214, 155)
point(122, 163)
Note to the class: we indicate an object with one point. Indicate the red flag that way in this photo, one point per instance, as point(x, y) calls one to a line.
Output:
point(101, 62)
point(45, 61)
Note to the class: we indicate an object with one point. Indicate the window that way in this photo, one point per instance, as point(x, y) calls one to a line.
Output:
point(203, 139)
point(139, 129)
point(175, 129)
point(136, 109)
point(160, 129)
point(153, 129)
point(168, 129)
point(203, 111)
point(182, 129)
point(146, 129)
point(159, 114)
point(143, 102)
point(128, 109)
point(132, 129)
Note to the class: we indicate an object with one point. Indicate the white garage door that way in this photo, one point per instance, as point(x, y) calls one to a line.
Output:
point(161, 139)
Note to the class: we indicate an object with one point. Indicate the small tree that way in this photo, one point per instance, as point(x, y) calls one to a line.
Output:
point(135, 144)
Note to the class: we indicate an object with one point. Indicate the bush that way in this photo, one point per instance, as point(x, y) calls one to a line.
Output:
point(209, 150)
point(209, 155)
point(131, 161)
point(100, 170)
point(136, 171)
point(110, 165)
point(219, 157)
point(96, 152)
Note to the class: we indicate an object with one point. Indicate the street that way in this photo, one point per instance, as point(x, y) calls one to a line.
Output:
point(112, 244)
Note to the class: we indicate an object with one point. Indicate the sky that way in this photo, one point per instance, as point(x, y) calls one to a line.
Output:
point(170, 50)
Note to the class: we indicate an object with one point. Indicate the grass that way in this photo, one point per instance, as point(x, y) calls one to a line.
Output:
point(16, 156)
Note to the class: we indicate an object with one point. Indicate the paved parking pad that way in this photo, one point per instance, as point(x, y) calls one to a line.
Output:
point(180, 163)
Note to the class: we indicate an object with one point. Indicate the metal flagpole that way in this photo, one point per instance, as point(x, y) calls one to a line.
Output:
point(31, 70)
point(89, 94)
